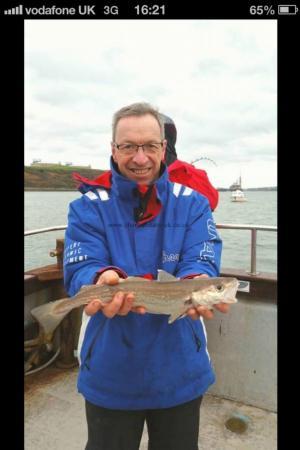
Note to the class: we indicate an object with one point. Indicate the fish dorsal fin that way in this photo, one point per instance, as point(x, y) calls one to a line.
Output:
point(162, 275)
point(86, 286)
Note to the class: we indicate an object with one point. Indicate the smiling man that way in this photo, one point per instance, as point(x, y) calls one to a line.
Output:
point(142, 163)
point(134, 366)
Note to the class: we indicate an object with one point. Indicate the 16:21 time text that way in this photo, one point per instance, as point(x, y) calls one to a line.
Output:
point(147, 10)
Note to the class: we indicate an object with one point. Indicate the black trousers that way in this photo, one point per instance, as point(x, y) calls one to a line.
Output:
point(174, 428)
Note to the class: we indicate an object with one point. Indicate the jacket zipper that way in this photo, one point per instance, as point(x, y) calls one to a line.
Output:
point(89, 353)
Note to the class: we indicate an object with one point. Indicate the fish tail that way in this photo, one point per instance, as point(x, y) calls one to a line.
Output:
point(48, 317)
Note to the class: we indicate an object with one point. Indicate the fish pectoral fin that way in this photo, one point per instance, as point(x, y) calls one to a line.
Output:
point(162, 275)
point(188, 303)
point(176, 315)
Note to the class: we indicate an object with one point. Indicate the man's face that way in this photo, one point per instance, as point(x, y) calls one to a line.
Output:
point(139, 167)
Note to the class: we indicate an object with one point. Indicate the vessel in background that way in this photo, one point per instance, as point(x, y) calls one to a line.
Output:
point(237, 194)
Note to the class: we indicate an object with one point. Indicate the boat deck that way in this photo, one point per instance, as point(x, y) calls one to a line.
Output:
point(55, 417)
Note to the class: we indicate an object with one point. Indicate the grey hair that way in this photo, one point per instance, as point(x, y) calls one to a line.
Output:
point(137, 109)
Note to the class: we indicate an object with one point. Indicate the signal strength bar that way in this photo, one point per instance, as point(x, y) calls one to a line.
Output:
point(14, 11)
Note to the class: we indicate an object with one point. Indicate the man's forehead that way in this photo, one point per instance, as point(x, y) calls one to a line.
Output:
point(146, 123)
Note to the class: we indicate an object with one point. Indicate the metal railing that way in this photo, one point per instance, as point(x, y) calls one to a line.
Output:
point(229, 226)
point(254, 229)
point(44, 230)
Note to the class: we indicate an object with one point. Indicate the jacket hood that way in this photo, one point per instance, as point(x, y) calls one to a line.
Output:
point(171, 137)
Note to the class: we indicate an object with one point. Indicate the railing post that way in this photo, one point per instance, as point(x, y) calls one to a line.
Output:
point(253, 251)
point(58, 252)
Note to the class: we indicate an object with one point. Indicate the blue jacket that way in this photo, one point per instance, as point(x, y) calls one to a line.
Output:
point(140, 361)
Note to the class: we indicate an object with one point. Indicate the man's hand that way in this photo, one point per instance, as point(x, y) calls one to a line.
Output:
point(121, 303)
point(195, 313)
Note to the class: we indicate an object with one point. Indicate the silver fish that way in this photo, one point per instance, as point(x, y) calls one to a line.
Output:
point(168, 295)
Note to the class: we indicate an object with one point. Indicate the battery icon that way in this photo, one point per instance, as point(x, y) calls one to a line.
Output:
point(287, 9)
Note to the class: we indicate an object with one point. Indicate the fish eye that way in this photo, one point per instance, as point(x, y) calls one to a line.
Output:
point(219, 288)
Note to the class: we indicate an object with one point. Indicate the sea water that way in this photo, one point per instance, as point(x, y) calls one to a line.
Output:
point(46, 209)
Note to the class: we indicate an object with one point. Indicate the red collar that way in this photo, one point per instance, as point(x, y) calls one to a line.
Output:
point(103, 180)
point(153, 205)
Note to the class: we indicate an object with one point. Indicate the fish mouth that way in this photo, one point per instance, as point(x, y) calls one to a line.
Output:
point(229, 300)
point(230, 295)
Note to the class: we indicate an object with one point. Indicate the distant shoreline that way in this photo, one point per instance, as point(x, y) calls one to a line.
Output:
point(58, 178)
point(265, 189)
point(55, 177)
point(36, 189)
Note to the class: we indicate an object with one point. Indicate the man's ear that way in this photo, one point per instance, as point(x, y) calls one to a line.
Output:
point(164, 148)
point(113, 152)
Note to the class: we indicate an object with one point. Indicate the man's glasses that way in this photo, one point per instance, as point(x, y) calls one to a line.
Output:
point(131, 149)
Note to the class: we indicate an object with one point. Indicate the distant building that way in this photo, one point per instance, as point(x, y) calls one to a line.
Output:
point(35, 161)
point(39, 163)
point(42, 164)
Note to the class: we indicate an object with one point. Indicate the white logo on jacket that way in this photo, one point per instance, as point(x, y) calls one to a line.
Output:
point(171, 257)
point(73, 254)
point(207, 251)
point(211, 228)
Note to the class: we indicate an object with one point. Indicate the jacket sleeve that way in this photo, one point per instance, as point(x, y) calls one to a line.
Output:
point(202, 245)
point(86, 252)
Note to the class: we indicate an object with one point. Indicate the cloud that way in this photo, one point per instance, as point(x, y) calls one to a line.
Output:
point(216, 79)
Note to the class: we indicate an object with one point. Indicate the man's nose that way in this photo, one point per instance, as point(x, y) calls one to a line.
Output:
point(140, 157)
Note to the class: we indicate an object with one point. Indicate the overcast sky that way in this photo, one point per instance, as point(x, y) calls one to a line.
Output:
point(217, 79)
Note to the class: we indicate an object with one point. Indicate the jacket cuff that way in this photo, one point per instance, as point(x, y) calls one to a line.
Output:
point(119, 271)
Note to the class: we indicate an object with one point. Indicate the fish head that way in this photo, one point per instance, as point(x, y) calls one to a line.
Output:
point(217, 290)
